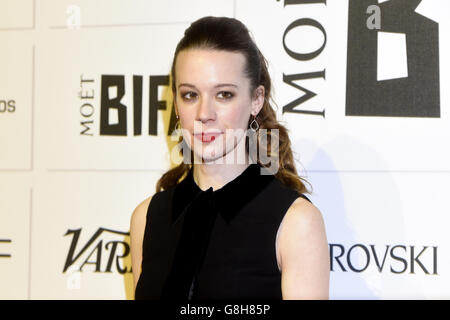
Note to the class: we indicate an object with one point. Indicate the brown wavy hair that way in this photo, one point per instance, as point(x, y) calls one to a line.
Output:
point(229, 34)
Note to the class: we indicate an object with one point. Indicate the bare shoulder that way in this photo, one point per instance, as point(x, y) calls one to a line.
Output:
point(138, 220)
point(137, 231)
point(303, 214)
point(300, 216)
point(304, 252)
point(140, 211)
point(302, 229)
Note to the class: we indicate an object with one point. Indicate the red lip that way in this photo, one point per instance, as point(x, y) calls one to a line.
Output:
point(207, 137)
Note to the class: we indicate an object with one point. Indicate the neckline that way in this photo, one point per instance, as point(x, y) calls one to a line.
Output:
point(228, 199)
point(247, 172)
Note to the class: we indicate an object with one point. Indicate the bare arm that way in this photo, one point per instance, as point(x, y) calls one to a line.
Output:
point(305, 265)
point(137, 228)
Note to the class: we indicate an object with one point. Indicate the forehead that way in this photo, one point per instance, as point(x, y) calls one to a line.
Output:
point(207, 67)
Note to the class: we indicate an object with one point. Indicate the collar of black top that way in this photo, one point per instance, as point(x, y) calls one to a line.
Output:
point(229, 199)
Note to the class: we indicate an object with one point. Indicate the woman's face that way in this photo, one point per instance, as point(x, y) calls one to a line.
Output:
point(214, 103)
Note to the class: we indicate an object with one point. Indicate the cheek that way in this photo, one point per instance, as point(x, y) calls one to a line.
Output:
point(236, 118)
point(187, 120)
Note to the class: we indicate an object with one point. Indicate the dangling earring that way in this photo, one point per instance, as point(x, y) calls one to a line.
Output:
point(177, 130)
point(178, 123)
point(254, 123)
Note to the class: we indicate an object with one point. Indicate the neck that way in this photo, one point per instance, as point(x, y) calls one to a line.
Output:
point(218, 172)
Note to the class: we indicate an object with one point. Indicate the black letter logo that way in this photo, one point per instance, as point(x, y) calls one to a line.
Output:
point(414, 93)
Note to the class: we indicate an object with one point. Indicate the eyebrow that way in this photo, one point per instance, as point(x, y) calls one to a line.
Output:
point(216, 86)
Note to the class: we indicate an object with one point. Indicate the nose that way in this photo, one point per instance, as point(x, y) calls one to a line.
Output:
point(205, 110)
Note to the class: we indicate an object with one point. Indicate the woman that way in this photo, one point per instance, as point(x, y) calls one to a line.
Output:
point(222, 228)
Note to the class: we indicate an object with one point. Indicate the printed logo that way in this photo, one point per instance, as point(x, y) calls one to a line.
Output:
point(392, 60)
point(396, 259)
point(113, 112)
point(104, 246)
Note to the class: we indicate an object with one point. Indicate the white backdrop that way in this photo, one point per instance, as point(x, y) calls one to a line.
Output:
point(68, 188)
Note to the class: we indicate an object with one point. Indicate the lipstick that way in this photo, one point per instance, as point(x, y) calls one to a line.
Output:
point(208, 137)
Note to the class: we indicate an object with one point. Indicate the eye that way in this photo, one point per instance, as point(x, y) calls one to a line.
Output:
point(225, 95)
point(189, 95)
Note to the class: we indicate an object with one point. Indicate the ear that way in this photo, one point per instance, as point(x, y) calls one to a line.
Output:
point(258, 99)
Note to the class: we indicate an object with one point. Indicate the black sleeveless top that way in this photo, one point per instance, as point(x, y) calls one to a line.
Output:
point(202, 245)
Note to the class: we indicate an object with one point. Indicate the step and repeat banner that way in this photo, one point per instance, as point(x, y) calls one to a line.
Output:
point(86, 120)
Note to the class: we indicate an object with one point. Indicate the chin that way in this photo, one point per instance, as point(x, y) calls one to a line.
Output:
point(208, 156)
